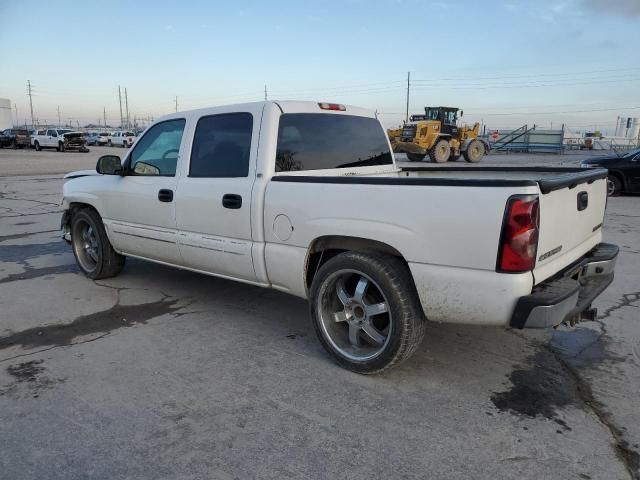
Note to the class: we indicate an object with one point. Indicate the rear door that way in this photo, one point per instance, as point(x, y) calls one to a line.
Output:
point(570, 225)
point(213, 206)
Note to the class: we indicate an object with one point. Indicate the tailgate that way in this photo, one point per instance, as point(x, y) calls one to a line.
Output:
point(568, 228)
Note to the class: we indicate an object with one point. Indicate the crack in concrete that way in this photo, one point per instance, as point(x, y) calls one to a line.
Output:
point(6, 238)
point(629, 457)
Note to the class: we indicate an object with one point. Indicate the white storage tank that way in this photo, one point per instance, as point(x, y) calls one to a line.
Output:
point(6, 120)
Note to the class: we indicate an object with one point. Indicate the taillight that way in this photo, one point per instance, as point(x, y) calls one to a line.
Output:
point(332, 106)
point(519, 238)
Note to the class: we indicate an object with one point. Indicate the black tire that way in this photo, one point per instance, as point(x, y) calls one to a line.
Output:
point(108, 262)
point(440, 152)
point(109, 143)
point(60, 147)
point(14, 145)
point(415, 157)
point(614, 185)
point(36, 144)
point(454, 158)
point(405, 320)
point(475, 151)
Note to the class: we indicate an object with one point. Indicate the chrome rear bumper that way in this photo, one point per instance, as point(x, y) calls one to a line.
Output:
point(567, 297)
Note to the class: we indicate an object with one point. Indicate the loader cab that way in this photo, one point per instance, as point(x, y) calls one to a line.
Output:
point(447, 116)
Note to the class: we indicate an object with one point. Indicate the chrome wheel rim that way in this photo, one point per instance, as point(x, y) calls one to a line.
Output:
point(85, 245)
point(611, 187)
point(354, 315)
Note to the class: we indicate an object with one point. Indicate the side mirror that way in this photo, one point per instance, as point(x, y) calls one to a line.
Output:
point(109, 165)
point(461, 113)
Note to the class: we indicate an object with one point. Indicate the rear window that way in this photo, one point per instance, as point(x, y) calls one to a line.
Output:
point(312, 141)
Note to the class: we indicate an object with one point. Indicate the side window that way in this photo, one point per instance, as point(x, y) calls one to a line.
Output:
point(157, 151)
point(222, 146)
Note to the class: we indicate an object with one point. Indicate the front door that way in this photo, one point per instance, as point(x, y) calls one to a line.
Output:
point(140, 206)
point(213, 209)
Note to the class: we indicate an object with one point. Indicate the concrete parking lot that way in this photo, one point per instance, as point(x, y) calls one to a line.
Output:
point(163, 373)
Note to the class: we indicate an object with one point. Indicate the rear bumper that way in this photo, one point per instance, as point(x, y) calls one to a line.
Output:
point(567, 297)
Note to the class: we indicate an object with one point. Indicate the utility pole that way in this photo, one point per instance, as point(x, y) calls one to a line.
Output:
point(120, 100)
point(408, 88)
point(126, 102)
point(29, 92)
point(176, 102)
point(59, 124)
point(265, 93)
point(104, 116)
point(17, 121)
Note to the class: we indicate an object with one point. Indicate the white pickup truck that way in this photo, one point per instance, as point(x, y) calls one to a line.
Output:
point(121, 139)
point(61, 139)
point(307, 198)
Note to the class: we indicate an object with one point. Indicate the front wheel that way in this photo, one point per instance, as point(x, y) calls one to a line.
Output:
point(366, 311)
point(440, 152)
point(37, 146)
point(614, 186)
point(94, 254)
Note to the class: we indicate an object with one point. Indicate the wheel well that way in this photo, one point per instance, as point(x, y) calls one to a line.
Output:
point(325, 248)
point(73, 208)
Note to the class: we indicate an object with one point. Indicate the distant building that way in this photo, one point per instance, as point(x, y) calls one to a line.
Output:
point(6, 120)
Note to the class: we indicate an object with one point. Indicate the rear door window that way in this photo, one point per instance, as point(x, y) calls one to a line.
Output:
point(222, 146)
point(312, 141)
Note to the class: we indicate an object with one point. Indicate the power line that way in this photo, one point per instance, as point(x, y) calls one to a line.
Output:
point(120, 100)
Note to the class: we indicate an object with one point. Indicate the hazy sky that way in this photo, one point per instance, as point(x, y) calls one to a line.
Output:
point(505, 62)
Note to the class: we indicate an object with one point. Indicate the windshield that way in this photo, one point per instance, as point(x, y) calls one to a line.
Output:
point(64, 131)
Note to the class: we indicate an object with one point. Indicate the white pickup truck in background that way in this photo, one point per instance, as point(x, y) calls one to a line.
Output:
point(122, 139)
point(307, 198)
point(61, 139)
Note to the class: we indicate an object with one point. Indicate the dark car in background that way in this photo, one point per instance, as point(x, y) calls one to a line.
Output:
point(15, 138)
point(624, 171)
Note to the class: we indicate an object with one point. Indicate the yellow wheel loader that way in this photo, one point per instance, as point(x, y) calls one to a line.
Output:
point(436, 134)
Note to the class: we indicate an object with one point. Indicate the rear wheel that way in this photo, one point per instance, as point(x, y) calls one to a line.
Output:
point(415, 157)
point(60, 147)
point(440, 152)
point(14, 145)
point(474, 152)
point(614, 185)
point(94, 254)
point(366, 311)
point(109, 143)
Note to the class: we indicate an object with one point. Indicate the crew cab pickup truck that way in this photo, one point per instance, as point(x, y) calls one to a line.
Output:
point(60, 139)
point(307, 198)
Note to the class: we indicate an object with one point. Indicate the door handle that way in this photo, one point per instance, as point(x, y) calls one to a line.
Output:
point(231, 200)
point(165, 195)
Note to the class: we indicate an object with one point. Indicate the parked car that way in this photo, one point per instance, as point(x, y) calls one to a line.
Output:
point(91, 138)
point(103, 138)
point(61, 139)
point(624, 171)
point(306, 198)
point(122, 139)
point(15, 138)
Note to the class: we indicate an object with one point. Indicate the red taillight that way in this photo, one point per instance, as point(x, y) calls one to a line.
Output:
point(519, 239)
point(332, 106)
